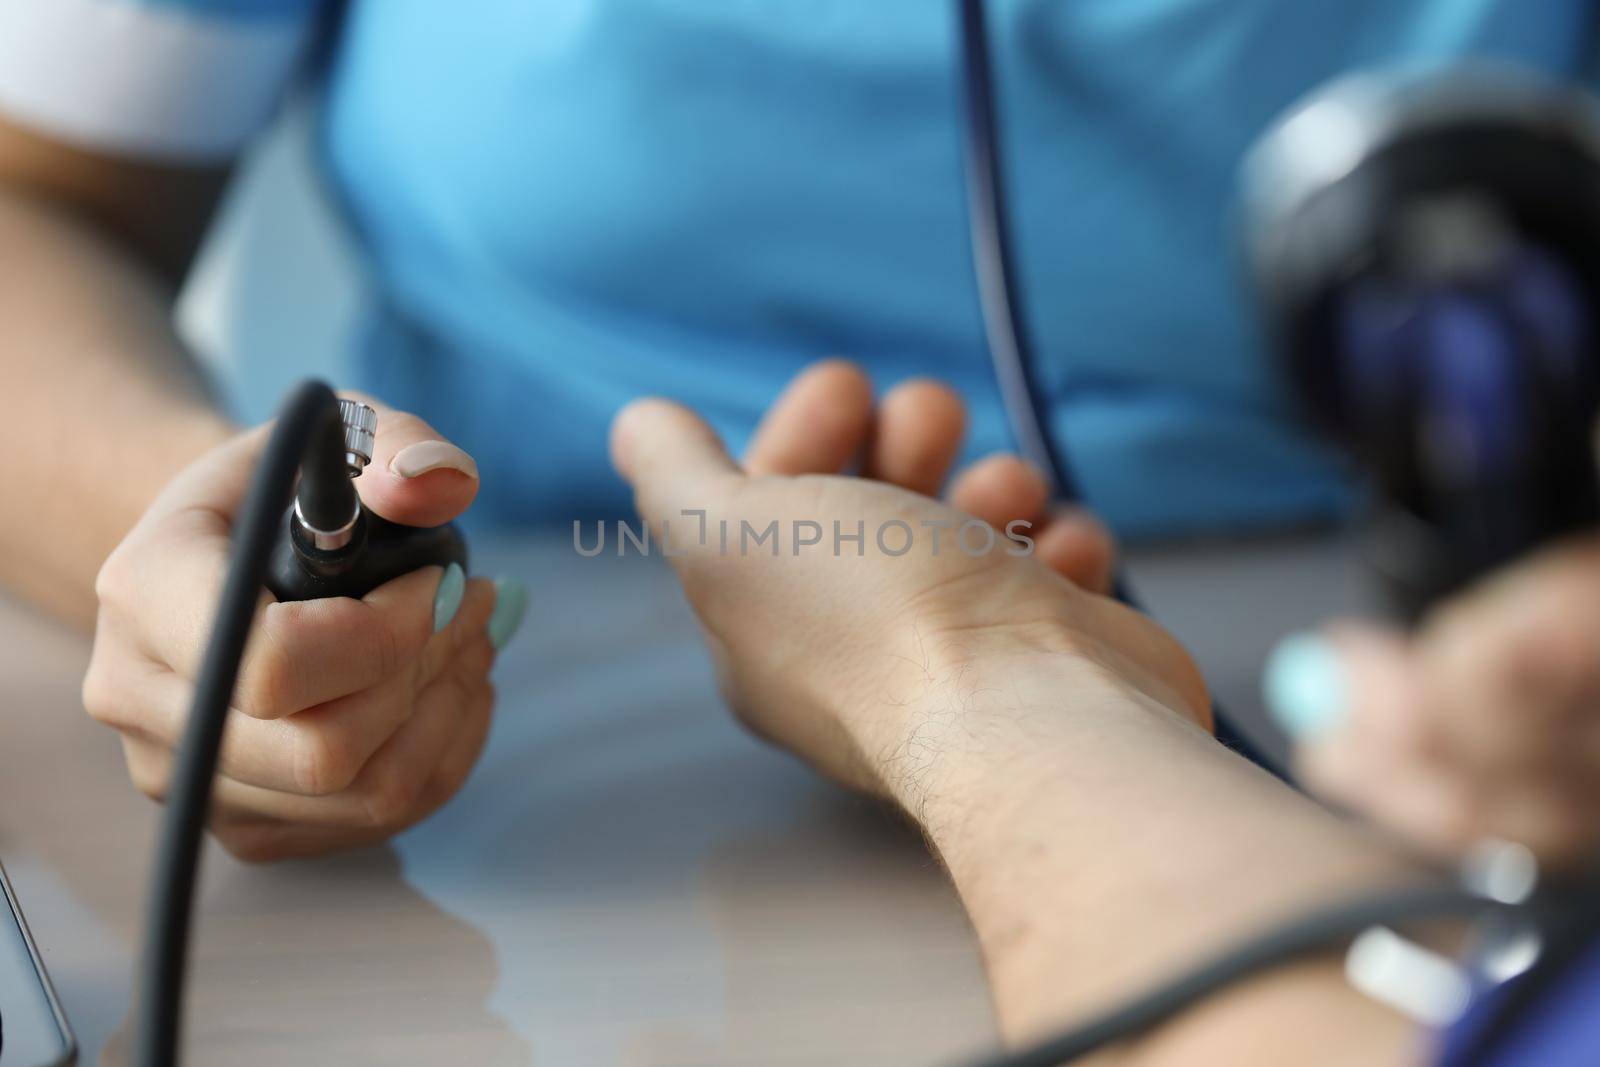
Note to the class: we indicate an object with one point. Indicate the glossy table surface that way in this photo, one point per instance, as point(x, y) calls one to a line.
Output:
point(626, 879)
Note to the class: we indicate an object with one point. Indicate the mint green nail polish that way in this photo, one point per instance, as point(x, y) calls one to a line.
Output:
point(447, 601)
point(510, 605)
point(1304, 686)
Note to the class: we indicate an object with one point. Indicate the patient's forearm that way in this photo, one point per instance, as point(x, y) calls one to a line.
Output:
point(1101, 843)
point(102, 405)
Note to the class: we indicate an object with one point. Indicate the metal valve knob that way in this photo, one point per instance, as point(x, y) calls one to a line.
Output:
point(360, 433)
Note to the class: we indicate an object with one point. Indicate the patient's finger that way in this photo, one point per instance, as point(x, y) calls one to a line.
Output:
point(1003, 488)
point(1000, 488)
point(1075, 544)
point(818, 425)
point(918, 433)
point(671, 458)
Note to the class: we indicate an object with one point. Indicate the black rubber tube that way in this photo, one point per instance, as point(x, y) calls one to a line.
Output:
point(326, 496)
point(1292, 940)
point(302, 432)
point(1000, 293)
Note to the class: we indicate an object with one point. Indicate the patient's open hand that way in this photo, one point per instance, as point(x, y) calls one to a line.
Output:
point(824, 637)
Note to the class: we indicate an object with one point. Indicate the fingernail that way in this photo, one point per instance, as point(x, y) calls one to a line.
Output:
point(425, 456)
point(510, 605)
point(1304, 686)
point(447, 601)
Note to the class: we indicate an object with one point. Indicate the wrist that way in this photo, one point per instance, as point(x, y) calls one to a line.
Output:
point(971, 720)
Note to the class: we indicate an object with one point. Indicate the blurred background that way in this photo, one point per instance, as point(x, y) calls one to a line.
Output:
point(277, 289)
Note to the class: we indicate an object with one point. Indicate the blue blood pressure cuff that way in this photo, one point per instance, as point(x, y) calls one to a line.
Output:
point(1542, 1019)
point(178, 80)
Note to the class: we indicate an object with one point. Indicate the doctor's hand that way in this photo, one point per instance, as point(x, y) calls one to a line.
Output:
point(352, 719)
point(1485, 722)
point(826, 640)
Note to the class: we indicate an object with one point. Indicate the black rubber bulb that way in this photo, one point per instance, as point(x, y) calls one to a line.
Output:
point(332, 546)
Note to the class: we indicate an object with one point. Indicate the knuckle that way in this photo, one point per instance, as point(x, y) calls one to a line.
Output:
point(388, 649)
point(465, 686)
point(271, 682)
point(1562, 666)
point(374, 635)
point(394, 797)
point(112, 579)
point(149, 780)
point(478, 658)
point(102, 698)
point(324, 763)
point(249, 844)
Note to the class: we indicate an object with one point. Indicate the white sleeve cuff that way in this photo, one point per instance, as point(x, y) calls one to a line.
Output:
point(153, 81)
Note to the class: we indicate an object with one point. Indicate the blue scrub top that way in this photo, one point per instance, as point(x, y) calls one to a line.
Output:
point(572, 203)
